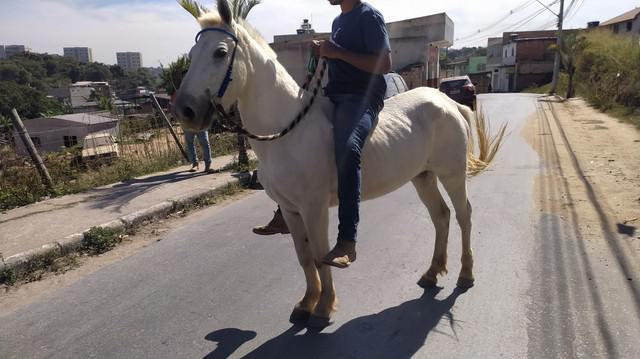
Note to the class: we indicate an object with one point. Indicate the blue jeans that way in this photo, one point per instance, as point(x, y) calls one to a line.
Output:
point(353, 119)
point(203, 138)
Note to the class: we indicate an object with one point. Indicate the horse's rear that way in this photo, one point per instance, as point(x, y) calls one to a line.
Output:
point(418, 131)
point(422, 136)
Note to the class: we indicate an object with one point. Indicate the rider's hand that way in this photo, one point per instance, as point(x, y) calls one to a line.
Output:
point(326, 49)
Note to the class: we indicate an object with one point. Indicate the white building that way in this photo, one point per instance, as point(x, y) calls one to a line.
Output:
point(52, 134)
point(81, 54)
point(129, 61)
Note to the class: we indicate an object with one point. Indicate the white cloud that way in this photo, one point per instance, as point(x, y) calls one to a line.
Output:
point(162, 30)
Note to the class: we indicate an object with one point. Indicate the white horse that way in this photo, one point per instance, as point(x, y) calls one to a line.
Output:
point(421, 136)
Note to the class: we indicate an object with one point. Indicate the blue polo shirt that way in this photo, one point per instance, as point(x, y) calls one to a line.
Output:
point(361, 30)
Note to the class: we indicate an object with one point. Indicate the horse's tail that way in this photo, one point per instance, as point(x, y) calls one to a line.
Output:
point(487, 146)
point(474, 164)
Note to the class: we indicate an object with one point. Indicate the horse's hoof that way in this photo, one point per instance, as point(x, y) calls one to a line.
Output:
point(318, 323)
point(465, 283)
point(299, 316)
point(427, 283)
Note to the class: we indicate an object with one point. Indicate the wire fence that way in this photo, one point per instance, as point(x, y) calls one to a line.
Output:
point(84, 151)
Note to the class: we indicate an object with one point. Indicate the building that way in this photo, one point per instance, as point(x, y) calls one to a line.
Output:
point(466, 66)
point(80, 54)
point(11, 50)
point(494, 59)
point(527, 60)
point(129, 61)
point(3, 55)
point(84, 95)
point(415, 46)
point(306, 28)
point(625, 24)
point(52, 134)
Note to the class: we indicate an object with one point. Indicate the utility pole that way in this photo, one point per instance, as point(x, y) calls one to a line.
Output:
point(35, 157)
point(154, 102)
point(556, 63)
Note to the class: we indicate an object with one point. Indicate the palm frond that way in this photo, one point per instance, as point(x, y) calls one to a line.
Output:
point(241, 8)
point(193, 7)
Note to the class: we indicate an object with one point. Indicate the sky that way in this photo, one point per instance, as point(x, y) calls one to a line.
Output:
point(161, 30)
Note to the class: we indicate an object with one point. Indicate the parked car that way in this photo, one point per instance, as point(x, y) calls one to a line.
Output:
point(100, 145)
point(395, 84)
point(460, 89)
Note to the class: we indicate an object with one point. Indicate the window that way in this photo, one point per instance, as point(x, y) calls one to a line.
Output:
point(616, 28)
point(70, 141)
point(36, 141)
point(513, 51)
point(482, 67)
point(629, 26)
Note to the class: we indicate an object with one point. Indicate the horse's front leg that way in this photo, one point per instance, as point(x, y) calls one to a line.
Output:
point(316, 219)
point(303, 309)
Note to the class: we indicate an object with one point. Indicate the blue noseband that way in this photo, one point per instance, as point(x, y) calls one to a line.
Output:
point(227, 79)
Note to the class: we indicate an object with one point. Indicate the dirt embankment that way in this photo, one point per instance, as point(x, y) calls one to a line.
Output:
point(594, 160)
point(609, 154)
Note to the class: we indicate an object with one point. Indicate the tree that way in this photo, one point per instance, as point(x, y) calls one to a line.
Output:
point(171, 76)
point(571, 49)
point(239, 8)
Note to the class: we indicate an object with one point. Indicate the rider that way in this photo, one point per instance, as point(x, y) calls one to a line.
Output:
point(358, 54)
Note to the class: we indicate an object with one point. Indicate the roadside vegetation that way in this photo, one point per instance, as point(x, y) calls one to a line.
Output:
point(607, 72)
point(20, 184)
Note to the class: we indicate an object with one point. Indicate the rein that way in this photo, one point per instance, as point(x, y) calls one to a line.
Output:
point(222, 114)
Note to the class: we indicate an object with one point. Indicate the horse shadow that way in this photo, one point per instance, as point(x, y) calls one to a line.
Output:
point(398, 332)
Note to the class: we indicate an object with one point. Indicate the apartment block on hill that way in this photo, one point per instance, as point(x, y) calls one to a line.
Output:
point(80, 54)
point(129, 61)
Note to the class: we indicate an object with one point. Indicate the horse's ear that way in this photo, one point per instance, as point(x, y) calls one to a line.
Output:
point(225, 11)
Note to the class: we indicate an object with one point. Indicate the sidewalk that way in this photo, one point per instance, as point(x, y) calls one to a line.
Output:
point(42, 226)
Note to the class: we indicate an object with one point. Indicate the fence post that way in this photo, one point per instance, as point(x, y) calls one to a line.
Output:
point(24, 136)
point(243, 156)
point(173, 133)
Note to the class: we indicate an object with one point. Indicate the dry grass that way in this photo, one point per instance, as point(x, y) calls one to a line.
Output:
point(488, 144)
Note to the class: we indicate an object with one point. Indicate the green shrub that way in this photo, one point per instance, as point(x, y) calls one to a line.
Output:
point(609, 70)
point(98, 240)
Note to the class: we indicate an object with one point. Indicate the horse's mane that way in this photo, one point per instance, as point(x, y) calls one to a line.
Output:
point(213, 19)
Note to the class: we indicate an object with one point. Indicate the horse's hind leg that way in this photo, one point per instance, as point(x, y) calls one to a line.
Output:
point(427, 187)
point(303, 309)
point(456, 187)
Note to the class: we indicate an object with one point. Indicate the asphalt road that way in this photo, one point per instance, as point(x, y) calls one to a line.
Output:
point(213, 289)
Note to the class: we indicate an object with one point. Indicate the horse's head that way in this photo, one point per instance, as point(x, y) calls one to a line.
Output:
point(215, 62)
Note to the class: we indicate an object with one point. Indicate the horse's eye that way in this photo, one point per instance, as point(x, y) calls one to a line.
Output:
point(220, 53)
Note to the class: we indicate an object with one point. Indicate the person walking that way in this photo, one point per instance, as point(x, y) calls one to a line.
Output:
point(203, 139)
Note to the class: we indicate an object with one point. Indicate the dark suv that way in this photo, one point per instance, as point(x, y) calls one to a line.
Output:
point(395, 84)
point(460, 89)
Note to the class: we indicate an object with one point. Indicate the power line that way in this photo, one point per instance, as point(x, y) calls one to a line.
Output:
point(512, 12)
point(519, 23)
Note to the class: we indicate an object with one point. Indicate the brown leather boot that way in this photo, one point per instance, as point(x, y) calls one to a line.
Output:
point(276, 225)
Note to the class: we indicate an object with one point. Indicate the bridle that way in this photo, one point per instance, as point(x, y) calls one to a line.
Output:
point(222, 114)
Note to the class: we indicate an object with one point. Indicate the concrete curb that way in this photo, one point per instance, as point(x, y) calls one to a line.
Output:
point(73, 242)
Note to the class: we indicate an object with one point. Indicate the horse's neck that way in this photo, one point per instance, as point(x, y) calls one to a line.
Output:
point(271, 98)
